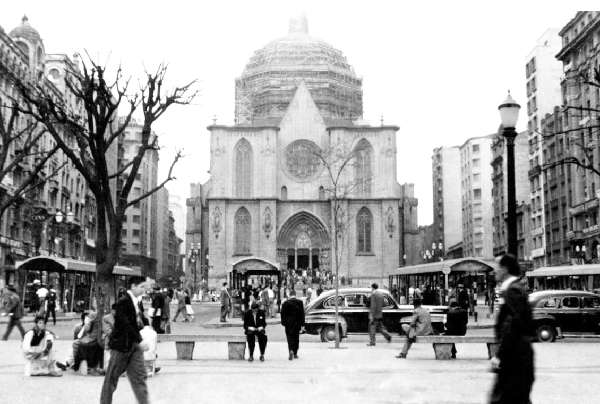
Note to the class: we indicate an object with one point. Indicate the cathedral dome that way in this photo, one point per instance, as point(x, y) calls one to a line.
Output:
point(25, 30)
point(268, 83)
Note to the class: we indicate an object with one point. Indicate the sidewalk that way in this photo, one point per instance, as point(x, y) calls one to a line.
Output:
point(354, 374)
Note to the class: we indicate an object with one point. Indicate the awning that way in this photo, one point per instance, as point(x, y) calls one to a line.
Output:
point(467, 265)
point(565, 270)
point(56, 264)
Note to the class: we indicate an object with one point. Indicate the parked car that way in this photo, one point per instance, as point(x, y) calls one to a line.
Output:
point(564, 311)
point(353, 306)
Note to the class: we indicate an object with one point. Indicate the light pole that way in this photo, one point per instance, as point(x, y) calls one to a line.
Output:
point(509, 113)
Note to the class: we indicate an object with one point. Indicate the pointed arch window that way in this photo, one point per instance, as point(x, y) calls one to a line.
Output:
point(362, 167)
point(321, 192)
point(284, 193)
point(243, 169)
point(242, 231)
point(364, 228)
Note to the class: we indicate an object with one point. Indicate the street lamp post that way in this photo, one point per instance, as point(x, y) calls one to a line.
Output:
point(509, 113)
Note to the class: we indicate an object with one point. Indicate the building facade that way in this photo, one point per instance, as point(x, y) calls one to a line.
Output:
point(447, 209)
point(57, 218)
point(580, 56)
point(269, 197)
point(542, 74)
point(476, 196)
point(140, 228)
point(196, 252)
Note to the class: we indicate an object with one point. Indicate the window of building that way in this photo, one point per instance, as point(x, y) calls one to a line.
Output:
point(136, 232)
point(475, 148)
point(284, 193)
point(123, 232)
point(243, 169)
point(136, 218)
point(364, 226)
point(476, 163)
point(477, 194)
point(362, 167)
point(242, 231)
point(321, 192)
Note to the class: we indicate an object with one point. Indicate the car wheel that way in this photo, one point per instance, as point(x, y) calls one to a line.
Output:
point(546, 333)
point(328, 333)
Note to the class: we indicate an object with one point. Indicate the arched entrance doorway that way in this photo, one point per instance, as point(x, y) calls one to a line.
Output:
point(303, 244)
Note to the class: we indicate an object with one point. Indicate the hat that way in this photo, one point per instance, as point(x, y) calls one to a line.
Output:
point(254, 306)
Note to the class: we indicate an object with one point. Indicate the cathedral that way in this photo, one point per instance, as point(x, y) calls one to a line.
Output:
point(268, 201)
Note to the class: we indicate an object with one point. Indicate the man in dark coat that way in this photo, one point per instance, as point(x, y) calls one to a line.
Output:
point(14, 310)
point(376, 316)
point(456, 322)
point(292, 318)
point(158, 304)
point(513, 362)
point(126, 346)
point(254, 327)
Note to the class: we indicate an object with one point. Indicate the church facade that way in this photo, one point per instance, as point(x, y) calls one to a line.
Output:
point(269, 199)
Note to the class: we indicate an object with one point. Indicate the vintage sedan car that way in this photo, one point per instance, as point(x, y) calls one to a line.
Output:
point(353, 306)
point(564, 311)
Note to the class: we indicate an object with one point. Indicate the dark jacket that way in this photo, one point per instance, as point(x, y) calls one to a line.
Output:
point(456, 321)
point(376, 305)
point(158, 304)
point(292, 315)
point(514, 330)
point(463, 299)
point(126, 332)
point(249, 320)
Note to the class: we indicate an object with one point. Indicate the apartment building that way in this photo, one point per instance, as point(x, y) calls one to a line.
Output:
point(447, 209)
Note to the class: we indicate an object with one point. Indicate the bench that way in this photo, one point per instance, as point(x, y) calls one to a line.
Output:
point(184, 344)
point(442, 344)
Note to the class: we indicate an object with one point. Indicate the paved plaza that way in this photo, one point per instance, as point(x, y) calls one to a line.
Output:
point(566, 372)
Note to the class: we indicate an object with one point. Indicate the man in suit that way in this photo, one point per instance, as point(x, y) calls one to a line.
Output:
point(225, 302)
point(456, 322)
point(158, 303)
point(513, 362)
point(376, 316)
point(125, 342)
point(254, 327)
point(292, 318)
point(14, 310)
point(420, 324)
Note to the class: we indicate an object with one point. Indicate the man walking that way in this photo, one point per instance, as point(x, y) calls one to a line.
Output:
point(420, 324)
point(255, 323)
point(180, 295)
point(376, 316)
point(15, 312)
point(158, 303)
point(225, 302)
point(126, 345)
point(292, 318)
point(513, 362)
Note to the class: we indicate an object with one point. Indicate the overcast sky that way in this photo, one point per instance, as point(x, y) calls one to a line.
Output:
point(437, 69)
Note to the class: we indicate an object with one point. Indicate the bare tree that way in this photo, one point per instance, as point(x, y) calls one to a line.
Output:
point(337, 160)
point(582, 153)
point(88, 132)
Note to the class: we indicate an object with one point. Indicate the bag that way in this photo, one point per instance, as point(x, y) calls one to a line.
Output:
point(189, 310)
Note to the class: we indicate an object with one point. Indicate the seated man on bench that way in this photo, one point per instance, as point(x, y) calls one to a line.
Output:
point(254, 327)
point(420, 324)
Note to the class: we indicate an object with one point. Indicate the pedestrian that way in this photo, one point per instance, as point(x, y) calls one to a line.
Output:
point(157, 306)
point(189, 311)
point(254, 327)
point(462, 297)
point(309, 293)
point(166, 312)
point(319, 290)
point(420, 324)
point(513, 363)
point(292, 318)
point(180, 305)
point(456, 322)
point(376, 316)
point(225, 302)
point(264, 300)
point(14, 310)
point(271, 294)
point(51, 305)
point(126, 345)
point(108, 323)
point(37, 348)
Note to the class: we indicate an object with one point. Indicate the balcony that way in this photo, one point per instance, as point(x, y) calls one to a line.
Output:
point(537, 231)
point(591, 230)
point(534, 171)
point(574, 234)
